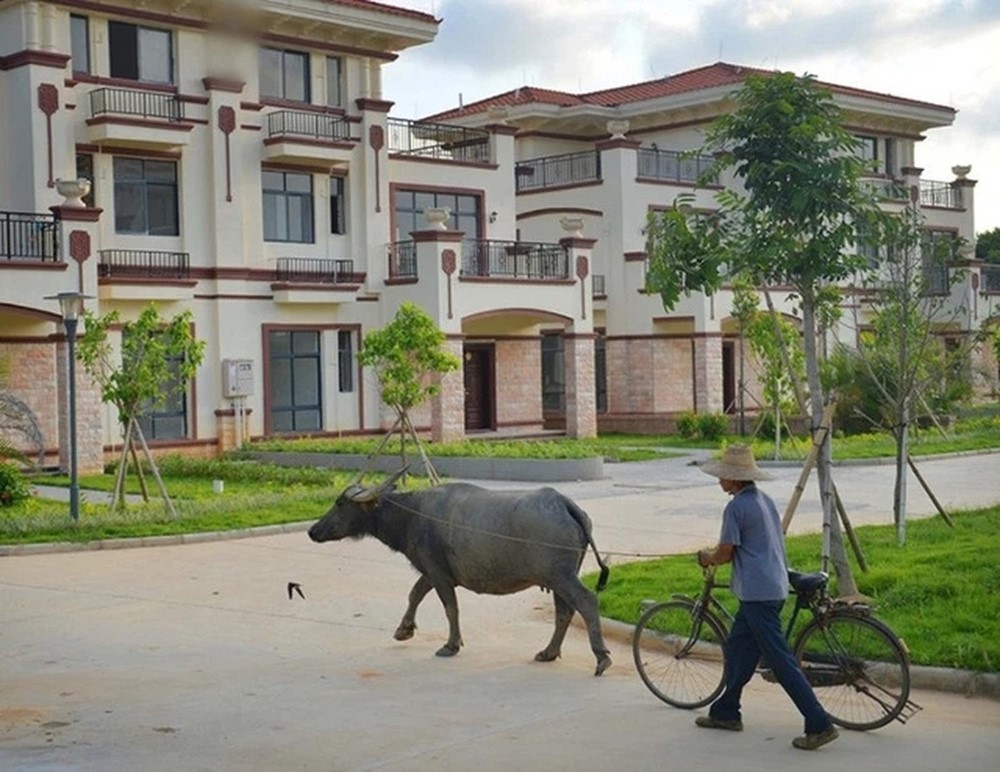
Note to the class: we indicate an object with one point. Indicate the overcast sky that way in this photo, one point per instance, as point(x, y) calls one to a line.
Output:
point(941, 51)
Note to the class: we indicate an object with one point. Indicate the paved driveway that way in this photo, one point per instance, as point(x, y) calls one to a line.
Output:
point(193, 658)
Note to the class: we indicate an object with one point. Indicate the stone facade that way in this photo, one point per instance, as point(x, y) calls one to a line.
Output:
point(519, 387)
point(581, 407)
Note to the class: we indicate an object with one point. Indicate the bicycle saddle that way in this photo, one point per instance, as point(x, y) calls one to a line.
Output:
point(806, 584)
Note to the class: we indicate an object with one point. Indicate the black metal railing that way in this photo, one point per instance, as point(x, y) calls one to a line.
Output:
point(514, 259)
point(311, 270)
point(556, 170)
point(143, 104)
point(886, 189)
point(675, 166)
point(439, 140)
point(943, 194)
point(331, 128)
point(143, 264)
point(27, 236)
point(597, 280)
point(990, 279)
point(402, 260)
point(937, 280)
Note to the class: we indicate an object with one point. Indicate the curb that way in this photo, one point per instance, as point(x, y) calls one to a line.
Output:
point(941, 679)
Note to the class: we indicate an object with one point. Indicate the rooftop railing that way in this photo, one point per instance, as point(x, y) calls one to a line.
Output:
point(143, 104)
point(514, 259)
point(27, 236)
point(310, 270)
point(440, 141)
point(675, 166)
point(557, 170)
point(942, 194)
point(143, 264)
point(331, 128)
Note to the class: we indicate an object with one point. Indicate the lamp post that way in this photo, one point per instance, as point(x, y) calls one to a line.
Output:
point(71, 306)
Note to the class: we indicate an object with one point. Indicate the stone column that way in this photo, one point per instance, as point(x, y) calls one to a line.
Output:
point(448, 405)
point(89, 445)
point(708, 373)
point(369, 188)
point(581, 404)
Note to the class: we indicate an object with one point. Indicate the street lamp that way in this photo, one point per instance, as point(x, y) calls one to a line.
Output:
point(71, 306)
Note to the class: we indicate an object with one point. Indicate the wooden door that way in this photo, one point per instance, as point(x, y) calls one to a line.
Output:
point(478, 369)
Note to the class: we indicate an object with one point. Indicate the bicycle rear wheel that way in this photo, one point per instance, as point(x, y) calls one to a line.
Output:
point(858, 667)
point(678, 653)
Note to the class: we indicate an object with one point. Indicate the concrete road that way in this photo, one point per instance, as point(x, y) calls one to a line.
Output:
point(192, 657)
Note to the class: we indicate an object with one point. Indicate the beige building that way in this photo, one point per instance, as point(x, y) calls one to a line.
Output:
point(244, 166)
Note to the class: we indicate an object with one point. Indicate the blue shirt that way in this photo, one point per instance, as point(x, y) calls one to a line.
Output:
point(751, 524)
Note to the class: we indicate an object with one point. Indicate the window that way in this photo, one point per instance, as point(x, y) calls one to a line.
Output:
point(345, 360)
point(288, 207)
point(937, 251)
point(284, 74)
point(867, 150)
point(338, 209)
point(140, 53)
point(85, 170)
point(146, 197)
point(334, 81)
point(79, 40)
point(553, 373)
point(167, 419)
point(601, 373)
point(294, 381)
point(410, 205)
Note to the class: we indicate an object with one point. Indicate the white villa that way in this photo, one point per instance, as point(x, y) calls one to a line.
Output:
point(250, 171)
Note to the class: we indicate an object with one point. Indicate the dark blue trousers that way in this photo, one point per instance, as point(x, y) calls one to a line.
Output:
point(757, 634)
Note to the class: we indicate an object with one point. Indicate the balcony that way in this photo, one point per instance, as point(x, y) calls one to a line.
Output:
point(439, 142)
point(517, 260)
point(310, 137)
point(886, 189)
point(315, 280)
point(402, 257)
point(675, 166)
point(132, 118)
point(27, 237)
point(137, 274)
point(940, 194)
point(990, 284)
point(556, 171)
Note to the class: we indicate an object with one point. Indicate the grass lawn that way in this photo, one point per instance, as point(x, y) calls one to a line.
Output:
point(940, 592)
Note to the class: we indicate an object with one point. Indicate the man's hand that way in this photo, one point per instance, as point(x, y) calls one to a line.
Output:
point(704, 558)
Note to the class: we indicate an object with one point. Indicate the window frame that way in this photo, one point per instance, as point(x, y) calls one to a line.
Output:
point(74, 19)
point(148, 186)
point(335, 85)
point(308, 223)
point(345, 361)
point(135, 72)
point(285, 53)
point(553, 373)
point(414, 213)
point(338, 205)
point(291, 405)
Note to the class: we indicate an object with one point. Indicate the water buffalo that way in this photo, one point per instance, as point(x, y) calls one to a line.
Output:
point(496, 542)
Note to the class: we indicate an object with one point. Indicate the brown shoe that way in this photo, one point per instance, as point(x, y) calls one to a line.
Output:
point(707, 722)
point(810, 742)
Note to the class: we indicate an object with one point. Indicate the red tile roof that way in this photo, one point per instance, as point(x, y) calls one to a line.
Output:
point(392, 10)
point(700, 79)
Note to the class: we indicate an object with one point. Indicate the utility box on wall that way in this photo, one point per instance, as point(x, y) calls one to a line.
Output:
point(237, 378)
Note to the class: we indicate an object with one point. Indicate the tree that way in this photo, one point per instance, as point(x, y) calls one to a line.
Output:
point(158, 358)
point(988, 246)
point(901, 351)
point(794, 223)
point(407, 358)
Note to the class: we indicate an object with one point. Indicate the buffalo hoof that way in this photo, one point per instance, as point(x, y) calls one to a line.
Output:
point(603, 663)
point(447, 651)
point(404, 632)
point(546, 656)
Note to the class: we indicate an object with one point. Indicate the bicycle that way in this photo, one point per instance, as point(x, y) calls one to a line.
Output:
point(858, 667)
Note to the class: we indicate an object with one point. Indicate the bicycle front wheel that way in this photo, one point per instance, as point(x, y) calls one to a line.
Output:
point(858, 667)
point(678, 653)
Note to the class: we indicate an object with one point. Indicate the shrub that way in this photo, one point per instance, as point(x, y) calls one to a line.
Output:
point(13, 488)
point(687, 425)
point(713, 426)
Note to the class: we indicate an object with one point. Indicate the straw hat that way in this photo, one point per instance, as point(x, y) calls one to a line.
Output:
point(737, 463)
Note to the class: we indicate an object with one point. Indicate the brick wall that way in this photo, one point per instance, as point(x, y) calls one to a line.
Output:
point(31, 369)
point(519, 382)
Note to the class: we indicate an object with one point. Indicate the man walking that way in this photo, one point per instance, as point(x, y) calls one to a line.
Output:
point(752, 539)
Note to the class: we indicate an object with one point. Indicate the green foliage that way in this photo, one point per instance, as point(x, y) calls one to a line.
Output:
point(694, 261)
point(712, 426)
point(405, 354)
point(988, 246)
point(687, 424)
point(151, 350)
point(13, 487)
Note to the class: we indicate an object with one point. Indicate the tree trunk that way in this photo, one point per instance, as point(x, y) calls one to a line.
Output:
point(833, 542)
point(899, 493)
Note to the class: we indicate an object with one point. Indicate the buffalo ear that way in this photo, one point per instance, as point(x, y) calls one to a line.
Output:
point(362, 495)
